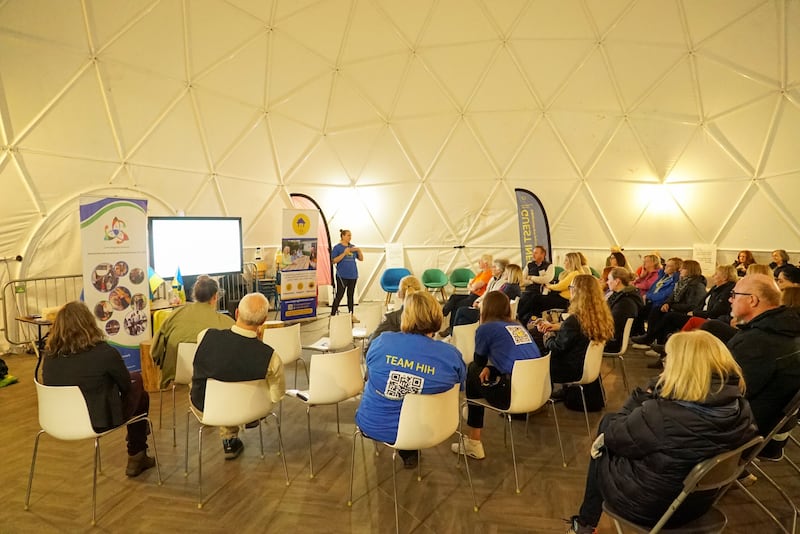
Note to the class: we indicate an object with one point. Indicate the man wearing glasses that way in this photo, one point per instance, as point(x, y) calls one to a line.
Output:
point(767, 347)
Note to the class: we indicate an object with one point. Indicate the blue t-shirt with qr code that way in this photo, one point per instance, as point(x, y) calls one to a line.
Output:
point(397, 364)
point(504, 343)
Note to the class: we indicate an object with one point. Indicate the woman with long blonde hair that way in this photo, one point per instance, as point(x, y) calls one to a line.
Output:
point(559, 294)
point(695, 411)
point(589, 320)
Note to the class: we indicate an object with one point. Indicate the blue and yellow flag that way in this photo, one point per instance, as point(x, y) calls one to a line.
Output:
point(154, 280)
point(177, 285)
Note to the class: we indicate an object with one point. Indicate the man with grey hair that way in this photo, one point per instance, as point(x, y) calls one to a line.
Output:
point(767, 347)
point(237, 355)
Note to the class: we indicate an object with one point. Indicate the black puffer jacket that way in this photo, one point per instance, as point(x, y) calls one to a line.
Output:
point(567, 351)
point(624, 304)
point(768, 350)
point(689, 294)
point(718, 304)
point(653, 443)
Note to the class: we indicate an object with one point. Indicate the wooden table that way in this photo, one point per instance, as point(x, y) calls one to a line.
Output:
point(39, 323)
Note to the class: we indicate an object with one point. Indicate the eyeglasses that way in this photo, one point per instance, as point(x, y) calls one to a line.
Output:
point(734, 293)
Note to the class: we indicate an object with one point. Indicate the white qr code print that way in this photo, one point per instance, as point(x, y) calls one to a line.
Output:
point(400, 384)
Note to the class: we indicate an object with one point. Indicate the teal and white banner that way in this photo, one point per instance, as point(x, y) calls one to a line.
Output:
point(533, 226)
point(115, 282)
point(297, 261)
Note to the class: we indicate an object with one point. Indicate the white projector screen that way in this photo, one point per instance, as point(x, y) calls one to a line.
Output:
point(198, 245)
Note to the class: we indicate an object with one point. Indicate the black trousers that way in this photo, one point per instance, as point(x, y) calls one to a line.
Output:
point(343, 284)
point(498, 395)
point(136, 402)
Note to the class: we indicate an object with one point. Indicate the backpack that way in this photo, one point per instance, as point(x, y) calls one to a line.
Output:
point(594, 397)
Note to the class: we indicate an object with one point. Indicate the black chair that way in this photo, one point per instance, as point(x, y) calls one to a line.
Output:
point(789, 415)
point(716, 473)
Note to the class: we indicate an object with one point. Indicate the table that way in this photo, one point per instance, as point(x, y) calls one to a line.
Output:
point(39, 323)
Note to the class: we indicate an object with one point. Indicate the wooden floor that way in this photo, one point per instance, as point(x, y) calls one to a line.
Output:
point(250, 495)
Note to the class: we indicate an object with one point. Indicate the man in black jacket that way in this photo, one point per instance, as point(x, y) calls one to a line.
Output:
point(767, 347)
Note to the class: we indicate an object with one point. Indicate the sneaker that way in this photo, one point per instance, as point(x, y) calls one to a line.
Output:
point(252, 424)
point(233, 448)
point(559, 394)
point(643, 339)
point(575, 527)
point(411, 462)
point(474, 448)
point(444, 333)
point(640, 346)
point(139, 463)
point(652, 353)
point(748, 480)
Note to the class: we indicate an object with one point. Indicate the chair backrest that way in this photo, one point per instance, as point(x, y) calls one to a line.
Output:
point(557, 271)
point(235, 403)
point(341, 332)
point(592, 362)
point(63, 413)
point(285, 341)
point(712, 474)
point(370, 317)
point(626, 337)
point(530, 384)
point(434, 278)
point(514, 305)
point(335, 376)
point(464, 340)
point(427, 420)
point(390, 279)
point(460, 277)
point(184, 366)
point(789, 414)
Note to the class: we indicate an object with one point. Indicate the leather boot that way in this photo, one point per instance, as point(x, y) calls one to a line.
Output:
point(139, 462)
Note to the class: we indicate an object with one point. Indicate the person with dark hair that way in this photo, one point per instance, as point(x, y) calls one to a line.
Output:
point(184, 323)
point(499, 342)
point(625, 302)
point(236, 354)
point(409, 361)
point(78, 355)
point(789, 276)
point(743, 260)
point(615, 259)
point(344, 255)
point(535, 275)
point(643, 453)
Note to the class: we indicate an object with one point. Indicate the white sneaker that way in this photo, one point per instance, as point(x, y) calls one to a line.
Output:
point(640, 346)
point(474, 448)
point(652, 353)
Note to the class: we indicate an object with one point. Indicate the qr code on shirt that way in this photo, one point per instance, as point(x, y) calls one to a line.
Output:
point(400, 384)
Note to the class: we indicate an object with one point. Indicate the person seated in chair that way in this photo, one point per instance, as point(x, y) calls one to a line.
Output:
point(508, 284)
point(78, 355)
point(237, 355)
point(659, 292)
point(534, 277)
point(499, 342)
point(391, 320)
point(624, 302)
point(477, 287)
point(183, 325)
point(409, 361)
point(558, 293)
point(695, 411)
point(788, 277)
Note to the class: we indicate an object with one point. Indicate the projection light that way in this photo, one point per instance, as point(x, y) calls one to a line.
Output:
point(657, 198)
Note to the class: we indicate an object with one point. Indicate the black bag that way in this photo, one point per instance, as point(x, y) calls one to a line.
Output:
point(3, 369)
point(593, 393)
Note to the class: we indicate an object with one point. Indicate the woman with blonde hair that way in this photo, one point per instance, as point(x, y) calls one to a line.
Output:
point(559, 294)
point(78, 355)
point(589, 320)
point(508, 285)
point(758, 268)
point(695, 411)
point(391, 320)
point(409, 361)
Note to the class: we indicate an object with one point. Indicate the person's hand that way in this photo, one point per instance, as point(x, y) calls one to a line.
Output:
point(484, 375)
point(690, 314)
point(544, 326)
point(597, 446)
point(665, 308)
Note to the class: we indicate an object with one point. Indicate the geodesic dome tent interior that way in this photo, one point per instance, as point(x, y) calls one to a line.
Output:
point(645, 124)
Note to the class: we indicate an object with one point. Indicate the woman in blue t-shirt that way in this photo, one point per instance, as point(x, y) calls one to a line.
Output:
point(499, 342)
point(344, 256)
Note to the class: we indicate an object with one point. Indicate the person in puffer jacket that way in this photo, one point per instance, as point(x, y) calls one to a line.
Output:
point(695, 411)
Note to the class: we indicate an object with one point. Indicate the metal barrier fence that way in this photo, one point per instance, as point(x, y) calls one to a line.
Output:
point(30, 296)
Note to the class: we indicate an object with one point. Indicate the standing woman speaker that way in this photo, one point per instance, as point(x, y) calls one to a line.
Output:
point(344, 255)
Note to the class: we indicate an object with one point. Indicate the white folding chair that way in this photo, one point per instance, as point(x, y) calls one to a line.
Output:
point(514, 305)
point(334, 377)
point(231, 404)
point(370, 317)
point(64, 415)
point(425, 421)
point(463, 339)
point(530, 390)
point(286, 342)
point(620, 354)
point(591, 370)
point(340, 335)
point(184, 367)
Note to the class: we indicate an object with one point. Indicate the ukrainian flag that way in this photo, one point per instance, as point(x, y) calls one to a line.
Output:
point(177, 285)
point(155, 281)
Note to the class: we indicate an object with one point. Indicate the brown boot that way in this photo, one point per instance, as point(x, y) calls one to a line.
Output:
point(139, 462)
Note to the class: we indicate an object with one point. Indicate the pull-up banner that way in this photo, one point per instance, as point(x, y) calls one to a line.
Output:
point(533, 226)
point(298, 264)
point(115, 282)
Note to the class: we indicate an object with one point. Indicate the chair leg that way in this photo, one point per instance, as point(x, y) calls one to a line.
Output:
point(585, 413)
point(513, 451)
point(94, 478)
point(394, 488)
point(469, 476)
point(200, 467)
point(761, 505)
point(174, 418)
point(186, 452)
point(155, 450)
point(261, 439)
point(558, 433)
point(160, 405)
point(33, 466)
point(624, 374)
point(357, 432)
point(782, 492)
point(310, 456)
point(337, 420)
point(280, 447)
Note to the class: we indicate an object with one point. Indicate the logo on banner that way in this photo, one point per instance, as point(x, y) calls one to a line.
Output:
point(301, 224)
point(115, 232)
